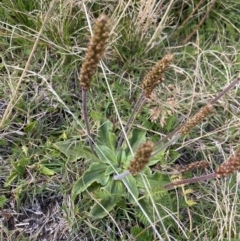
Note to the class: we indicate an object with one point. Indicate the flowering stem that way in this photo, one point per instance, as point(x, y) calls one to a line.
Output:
point(197, 118)
point(137, 107)
point(85, 117)
point(190, 180)
point(223, 92)
point(166, 145)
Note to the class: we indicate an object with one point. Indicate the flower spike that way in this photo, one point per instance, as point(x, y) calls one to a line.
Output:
point(94, 52)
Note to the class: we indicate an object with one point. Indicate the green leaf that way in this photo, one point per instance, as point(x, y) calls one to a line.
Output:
point(110, 169)
point(121, 157)
point(160, 157)
point(106, 155)
point(101, 209)
point(46, 171)
point(141, 234)
point(131, 183)
point(115, 188)
point(106, 136)
point(75, 150)
point(147, 171)
point(3, 200)
point(148, 210)
point(153, 180)
point(95, 173)
point(138, 137)
point(172, 156)
point(21, 164)
point(25, 150)
point(11, 178)
point(30, 127)
point(170, 123)
point(96, 115)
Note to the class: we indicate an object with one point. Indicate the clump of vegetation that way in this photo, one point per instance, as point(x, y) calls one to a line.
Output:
point(108, 151)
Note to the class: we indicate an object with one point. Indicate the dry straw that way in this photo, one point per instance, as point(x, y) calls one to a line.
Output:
point(12, 103)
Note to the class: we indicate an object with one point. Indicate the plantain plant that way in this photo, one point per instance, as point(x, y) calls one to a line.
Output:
point(101, 168)
point(113, 172)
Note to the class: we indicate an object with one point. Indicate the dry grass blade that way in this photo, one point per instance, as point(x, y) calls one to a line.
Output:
point(10, 106)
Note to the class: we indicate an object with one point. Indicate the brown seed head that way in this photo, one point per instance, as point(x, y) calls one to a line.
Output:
point(94, 52)
point(155, 76)
point(230, 166)
point(196, 119)
point(141, 158)
point(194, 165)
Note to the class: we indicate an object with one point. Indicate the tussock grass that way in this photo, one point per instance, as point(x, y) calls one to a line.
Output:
point(40, 104)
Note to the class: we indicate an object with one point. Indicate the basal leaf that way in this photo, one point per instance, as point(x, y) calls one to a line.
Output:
point(111, 169)
point(138, 137)
point(160, 157)
point(115, 188)
point(101, 209)
point(95, 173)
point(131, 183)
point(106, 136)
point(121, 157)
point(74, 150)
point(171, 156)
point(106, 154)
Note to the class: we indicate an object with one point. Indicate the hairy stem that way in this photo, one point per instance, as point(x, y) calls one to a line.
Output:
point(137, 107)
point(85, 117)
point(169, 143)
point(190, 180)
point(224, 91)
